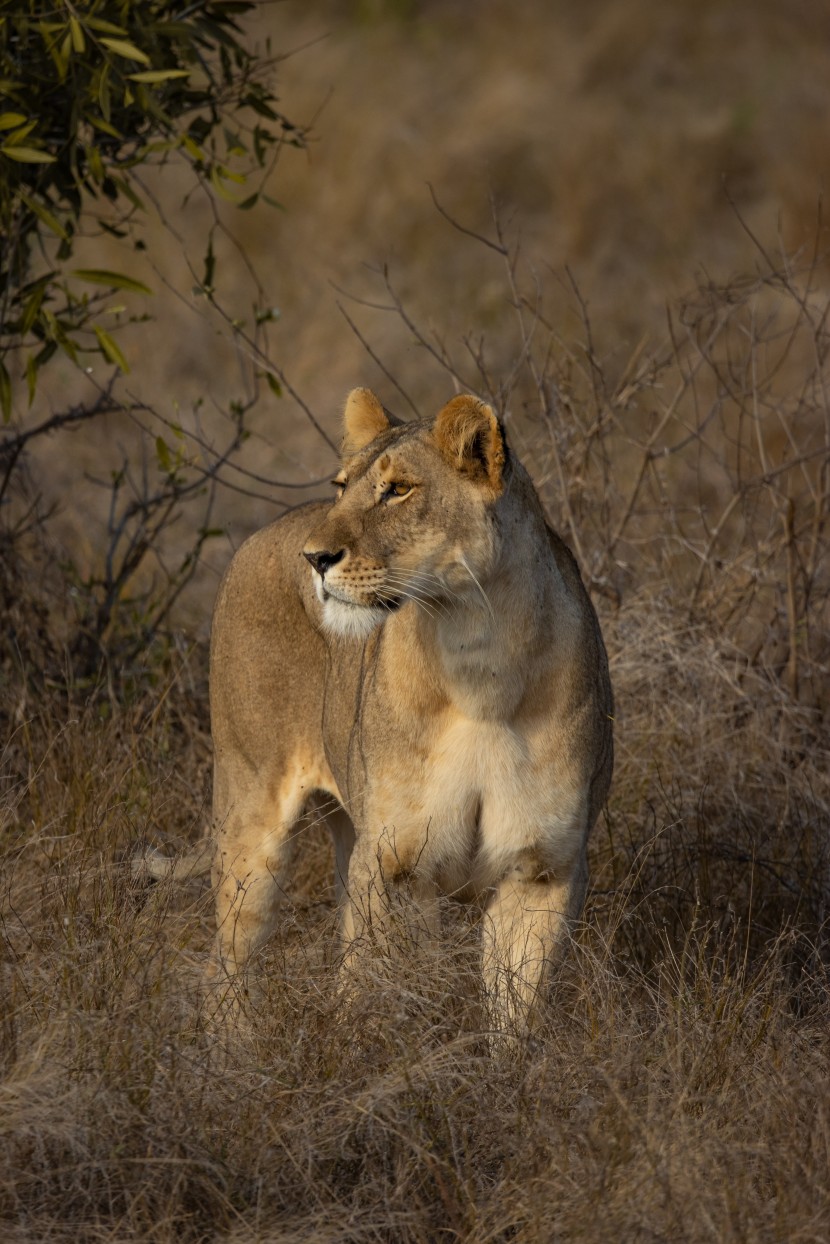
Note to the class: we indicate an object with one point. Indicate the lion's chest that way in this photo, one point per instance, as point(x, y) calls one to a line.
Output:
point(478, 796)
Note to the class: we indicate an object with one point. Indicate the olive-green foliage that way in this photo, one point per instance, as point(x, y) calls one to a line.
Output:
point(92, 93)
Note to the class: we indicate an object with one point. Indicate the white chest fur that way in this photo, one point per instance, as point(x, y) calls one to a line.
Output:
point(488, 795)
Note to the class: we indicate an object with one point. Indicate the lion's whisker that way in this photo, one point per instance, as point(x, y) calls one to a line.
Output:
point(416, 600)
point(413, 581)
point(430, 604)
point(485, 597)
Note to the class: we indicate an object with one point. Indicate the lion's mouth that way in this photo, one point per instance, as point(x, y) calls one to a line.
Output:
point(388, 603)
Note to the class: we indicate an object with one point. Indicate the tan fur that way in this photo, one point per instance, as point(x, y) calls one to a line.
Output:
point(467, 428)
point(440, 676)
point(363, 420)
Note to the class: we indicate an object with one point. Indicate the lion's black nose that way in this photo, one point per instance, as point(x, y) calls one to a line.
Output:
point(322, 561)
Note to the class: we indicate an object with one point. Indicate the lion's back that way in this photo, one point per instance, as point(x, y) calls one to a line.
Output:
point(592, 678)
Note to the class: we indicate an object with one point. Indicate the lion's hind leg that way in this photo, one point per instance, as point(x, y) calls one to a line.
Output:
point(253, 851)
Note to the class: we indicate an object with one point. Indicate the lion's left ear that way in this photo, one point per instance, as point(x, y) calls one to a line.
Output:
point(363, 419)
point(470, 436)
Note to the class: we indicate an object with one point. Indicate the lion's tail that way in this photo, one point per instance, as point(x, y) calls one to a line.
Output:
point(149, 863)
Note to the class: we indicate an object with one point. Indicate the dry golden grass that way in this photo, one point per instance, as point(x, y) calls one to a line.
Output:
point(678, 1091)
point(680, 1087)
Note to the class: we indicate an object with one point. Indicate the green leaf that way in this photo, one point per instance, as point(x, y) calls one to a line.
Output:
point(50, 32)
point(210, 267)
point(165, 145)
point(32, 309)
point(173, 30)
point(98, 23)
point(77, 32)
point(5, 392)
point(129, 51)
point(110, 349)
point(273, 384)
point(57, 331)
point(116, 280)
point(259, 106)
point(16, 139)
point(66, 51)
point(96, 164)
point(37, 291)
point(104, 93)
point(46, 353)
point(125, 188)
point(27, 155)
point(44, 214)
point(31, 377)
point(158, 75)
point(104, 126)
point(11, 120)
point(191, 148)
point(163, 454)
point(217, 175)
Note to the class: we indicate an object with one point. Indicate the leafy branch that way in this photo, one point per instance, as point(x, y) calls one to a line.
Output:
point(95, 91)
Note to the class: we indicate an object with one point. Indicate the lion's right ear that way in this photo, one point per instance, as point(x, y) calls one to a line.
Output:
point(468, 434)
point(363, 419)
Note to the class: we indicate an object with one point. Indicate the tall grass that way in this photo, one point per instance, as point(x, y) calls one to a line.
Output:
point(679, 1087)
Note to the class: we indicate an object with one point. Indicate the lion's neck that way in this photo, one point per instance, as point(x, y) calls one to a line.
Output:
point(487, 642)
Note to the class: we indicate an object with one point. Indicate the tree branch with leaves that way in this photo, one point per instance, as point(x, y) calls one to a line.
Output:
point(93, 93)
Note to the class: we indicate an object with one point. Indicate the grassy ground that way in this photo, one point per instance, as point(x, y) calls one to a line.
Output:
point(679, 1090)
point(680, 1087)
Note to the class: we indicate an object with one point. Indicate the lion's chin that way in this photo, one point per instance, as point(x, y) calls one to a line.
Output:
point(351, 621)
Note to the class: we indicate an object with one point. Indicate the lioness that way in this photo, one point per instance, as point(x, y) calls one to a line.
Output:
point(422, 652)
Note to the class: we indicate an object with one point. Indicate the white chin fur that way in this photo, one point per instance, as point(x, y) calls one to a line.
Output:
point(351, 621)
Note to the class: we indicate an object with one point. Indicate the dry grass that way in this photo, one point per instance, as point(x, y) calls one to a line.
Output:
point(679, 1088)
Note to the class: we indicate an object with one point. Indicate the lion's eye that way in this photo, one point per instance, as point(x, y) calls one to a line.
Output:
point(339, 484)
point(398, 490)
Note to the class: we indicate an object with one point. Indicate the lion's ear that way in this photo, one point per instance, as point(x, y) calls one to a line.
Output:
point(470, 436)
point(363, 419)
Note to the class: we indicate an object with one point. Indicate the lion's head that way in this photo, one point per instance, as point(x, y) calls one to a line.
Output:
point(415, 513)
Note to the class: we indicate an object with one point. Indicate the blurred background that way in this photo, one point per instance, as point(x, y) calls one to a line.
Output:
point(628, 150)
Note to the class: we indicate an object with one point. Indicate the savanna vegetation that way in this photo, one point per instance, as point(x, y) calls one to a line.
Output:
point(644, 298)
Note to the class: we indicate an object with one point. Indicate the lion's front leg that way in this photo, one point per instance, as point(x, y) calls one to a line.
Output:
point(525, 925)
point(391, 905)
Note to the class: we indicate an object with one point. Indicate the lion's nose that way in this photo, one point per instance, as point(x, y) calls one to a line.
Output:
point(323, 561)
